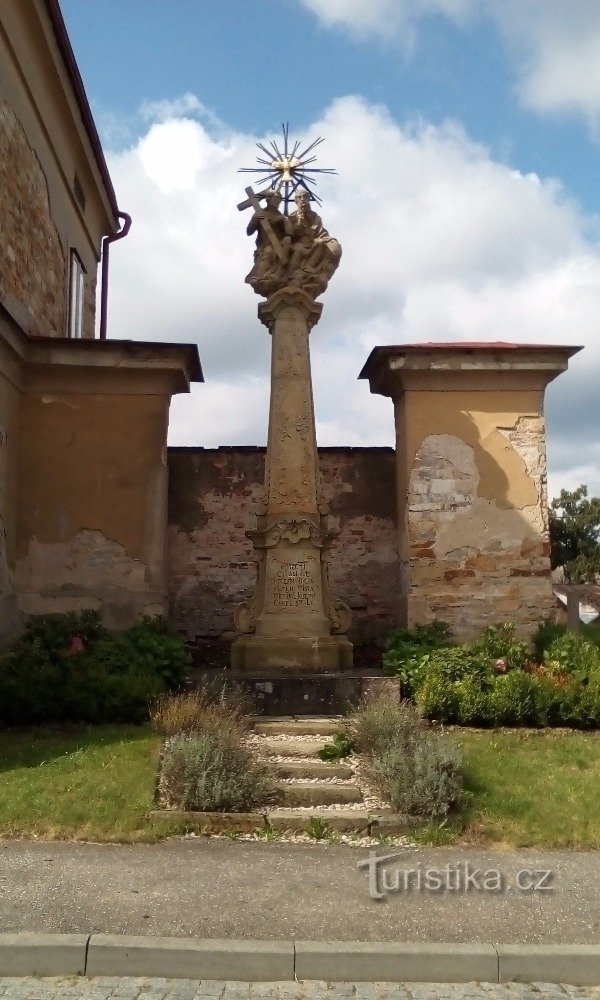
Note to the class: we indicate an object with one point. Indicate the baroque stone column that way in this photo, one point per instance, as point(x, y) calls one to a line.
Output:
point(291, 623)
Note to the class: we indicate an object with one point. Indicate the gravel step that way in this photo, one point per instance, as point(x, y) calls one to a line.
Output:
point(309, 769)
point(299, 726)
point(294, 746)
point(317, 793)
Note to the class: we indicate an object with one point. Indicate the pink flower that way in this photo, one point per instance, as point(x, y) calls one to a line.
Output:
point(501, 666)
point(76, 645)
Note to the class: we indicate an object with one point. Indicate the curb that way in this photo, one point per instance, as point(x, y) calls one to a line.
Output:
point(26, 954)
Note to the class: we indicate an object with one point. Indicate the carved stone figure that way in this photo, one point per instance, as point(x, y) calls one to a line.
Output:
point(295, 250)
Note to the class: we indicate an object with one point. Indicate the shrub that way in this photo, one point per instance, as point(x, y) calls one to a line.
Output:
point(512, 700)
point(416, 770)
point(195, 711)
point(498, 642)
point(211, 770)
point(69, 668)
point(547, 632)
point(380, 722)
point(340, 746)
point(423, 779)
point(573, 655)
point(406, 647)
point(437, 697)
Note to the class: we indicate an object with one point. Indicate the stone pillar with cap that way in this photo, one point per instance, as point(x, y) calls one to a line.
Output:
point(472, 509)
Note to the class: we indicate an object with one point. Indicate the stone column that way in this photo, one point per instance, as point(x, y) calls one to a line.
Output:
point(471, 479)
point(291, 623)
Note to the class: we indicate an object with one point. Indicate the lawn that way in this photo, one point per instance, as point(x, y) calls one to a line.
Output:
point(80, 783)
point(531, 788)
point(525, 788)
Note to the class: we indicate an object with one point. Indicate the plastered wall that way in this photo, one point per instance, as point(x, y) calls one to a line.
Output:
point(92, 516)
point(475, 531)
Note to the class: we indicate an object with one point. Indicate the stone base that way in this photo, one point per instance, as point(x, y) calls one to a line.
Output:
point(291, 694)
point(263, 654)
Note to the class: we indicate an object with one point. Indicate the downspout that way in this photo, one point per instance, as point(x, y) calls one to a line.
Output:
point(104, 278)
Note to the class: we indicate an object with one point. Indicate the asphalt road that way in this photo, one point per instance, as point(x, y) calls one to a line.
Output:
point(214, 888)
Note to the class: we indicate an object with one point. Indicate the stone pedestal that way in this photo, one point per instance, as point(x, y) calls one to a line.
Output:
point(291, 623)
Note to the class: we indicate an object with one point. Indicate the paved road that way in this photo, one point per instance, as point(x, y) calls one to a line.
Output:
point(212, 888)
point(191, 989)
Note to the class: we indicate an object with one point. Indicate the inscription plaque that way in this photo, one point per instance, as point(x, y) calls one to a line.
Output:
point(292, 586)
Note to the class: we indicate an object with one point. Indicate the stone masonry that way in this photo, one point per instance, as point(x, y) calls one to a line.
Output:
point(33, 282)
point(213, 495)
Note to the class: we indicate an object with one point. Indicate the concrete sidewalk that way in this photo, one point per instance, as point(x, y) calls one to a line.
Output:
point(209, 888)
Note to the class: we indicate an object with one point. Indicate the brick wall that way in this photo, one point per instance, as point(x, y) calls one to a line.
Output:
point(211, 567)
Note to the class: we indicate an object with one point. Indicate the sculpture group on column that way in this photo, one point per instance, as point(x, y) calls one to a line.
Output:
point(290, 250)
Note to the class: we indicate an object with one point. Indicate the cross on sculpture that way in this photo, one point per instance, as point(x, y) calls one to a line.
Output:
point(253, 202)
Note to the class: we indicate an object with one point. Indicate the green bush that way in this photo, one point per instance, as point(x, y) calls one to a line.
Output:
point(340, 746)
point(406, 647)
point(498, 642)
point(547, 632)
point(213, 771)
point(573, 655)
point(418, 771)
point(69, 668)
point(512, 699)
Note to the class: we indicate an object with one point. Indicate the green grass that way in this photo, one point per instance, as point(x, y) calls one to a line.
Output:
point(528, 788)
point(524, 788)
point(80, 783)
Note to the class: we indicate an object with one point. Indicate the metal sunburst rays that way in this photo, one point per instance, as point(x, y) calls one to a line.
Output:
point(288, 169)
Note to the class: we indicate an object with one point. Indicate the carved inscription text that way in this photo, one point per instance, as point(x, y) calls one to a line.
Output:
point(292, 586)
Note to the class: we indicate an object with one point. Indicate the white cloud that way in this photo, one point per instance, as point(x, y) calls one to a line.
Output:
point(554, 44)
point(383, 18)
point(557, 46)
point(439, 242)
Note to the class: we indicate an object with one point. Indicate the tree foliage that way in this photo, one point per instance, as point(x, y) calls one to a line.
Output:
point(574, 535)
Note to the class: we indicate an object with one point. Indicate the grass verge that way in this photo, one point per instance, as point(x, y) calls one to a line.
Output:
point(525, 788)
point(79, 783)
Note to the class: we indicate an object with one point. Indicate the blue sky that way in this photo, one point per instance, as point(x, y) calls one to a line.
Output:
point(257, 62)
point(466, 136)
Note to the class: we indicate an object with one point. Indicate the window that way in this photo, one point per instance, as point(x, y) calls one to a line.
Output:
point(76, 290)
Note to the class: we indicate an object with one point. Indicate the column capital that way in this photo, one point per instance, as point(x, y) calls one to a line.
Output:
point(289, 297)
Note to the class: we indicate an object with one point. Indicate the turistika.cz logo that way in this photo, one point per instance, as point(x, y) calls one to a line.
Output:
point(461, 876)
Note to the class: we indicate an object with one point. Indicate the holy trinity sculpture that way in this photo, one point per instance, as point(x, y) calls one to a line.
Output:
point(290, 250)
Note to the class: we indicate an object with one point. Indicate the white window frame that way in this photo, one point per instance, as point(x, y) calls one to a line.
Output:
point(76, 295)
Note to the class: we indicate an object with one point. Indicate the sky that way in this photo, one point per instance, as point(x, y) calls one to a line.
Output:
point(466, 139)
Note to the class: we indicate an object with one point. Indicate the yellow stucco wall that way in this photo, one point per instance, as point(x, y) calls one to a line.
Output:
point(473, 508)
point(92, 511)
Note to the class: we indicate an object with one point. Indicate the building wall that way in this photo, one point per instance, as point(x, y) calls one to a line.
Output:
point(476, 529)
point(33, 276)
point(91, 526)
point(43, 149)
point(9, 448)
point(211, 566)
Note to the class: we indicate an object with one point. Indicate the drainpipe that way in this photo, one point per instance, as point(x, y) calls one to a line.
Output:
point(104, 279)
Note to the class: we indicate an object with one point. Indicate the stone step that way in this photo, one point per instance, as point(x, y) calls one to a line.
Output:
point(294, 746)
point(317, 793)
point(299, 726)
point(309, 769)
